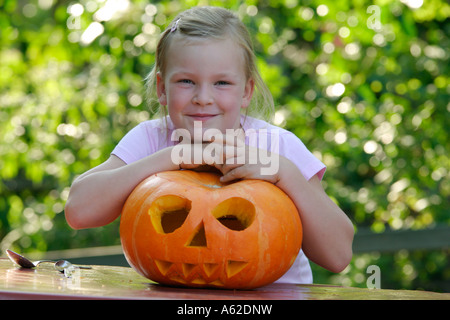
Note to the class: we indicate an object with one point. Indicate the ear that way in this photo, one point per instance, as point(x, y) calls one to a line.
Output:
point(248, 93)
point(161, 89)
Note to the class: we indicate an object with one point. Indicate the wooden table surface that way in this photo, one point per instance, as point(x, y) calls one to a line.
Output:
point(109, 282)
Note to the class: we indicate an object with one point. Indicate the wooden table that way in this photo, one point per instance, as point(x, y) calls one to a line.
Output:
point(109, 282)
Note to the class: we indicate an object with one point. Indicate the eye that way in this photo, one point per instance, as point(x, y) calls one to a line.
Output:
point(185, 81)
point(223, 83)
point(168, 213)
point(236, 213)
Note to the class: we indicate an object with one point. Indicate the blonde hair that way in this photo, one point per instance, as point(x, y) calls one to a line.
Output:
point(217, 23)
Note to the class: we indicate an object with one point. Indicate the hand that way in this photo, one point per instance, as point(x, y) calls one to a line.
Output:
point(198, 156)
point(231, 156)
point(241, 161)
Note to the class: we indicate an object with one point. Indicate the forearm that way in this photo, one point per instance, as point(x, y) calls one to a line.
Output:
point(327, 231)
point(97, 198)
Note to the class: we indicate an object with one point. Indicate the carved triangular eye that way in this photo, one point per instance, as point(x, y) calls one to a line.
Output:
point(168, 213)
point(235, 213)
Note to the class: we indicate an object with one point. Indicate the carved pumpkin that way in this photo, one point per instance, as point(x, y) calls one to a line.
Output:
point(186, 228)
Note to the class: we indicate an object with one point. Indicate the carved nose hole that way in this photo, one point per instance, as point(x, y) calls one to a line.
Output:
point(168, 213)
point(199, 237)
point(236, 214)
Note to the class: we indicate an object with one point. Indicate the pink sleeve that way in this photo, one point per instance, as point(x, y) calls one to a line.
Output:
point(293, 148)
point(135, 145)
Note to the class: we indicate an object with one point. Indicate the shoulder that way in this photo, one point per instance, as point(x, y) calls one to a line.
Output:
point(154, 128)
point(144, 139)
point(253, 125)
point(285, 143)
point(153, 124)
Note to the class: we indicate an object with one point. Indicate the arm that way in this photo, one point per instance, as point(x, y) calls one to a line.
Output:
point(327, 231)
point(96, 197)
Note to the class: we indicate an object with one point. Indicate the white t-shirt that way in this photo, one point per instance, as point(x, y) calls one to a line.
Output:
point(153, 135)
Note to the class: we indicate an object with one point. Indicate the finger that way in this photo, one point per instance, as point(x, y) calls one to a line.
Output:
point(239, 172)
point(226, 168)
point(246, 172)
point(231, 138)
point(229, 176)
point(188, 166)
point(213, 153)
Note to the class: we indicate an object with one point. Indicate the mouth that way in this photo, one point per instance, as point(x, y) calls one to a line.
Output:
point(201, 116)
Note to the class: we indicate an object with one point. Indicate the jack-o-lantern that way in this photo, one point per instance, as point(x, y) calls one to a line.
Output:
point(186, 228)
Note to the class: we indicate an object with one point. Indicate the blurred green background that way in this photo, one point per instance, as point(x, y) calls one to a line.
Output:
point(365, 84)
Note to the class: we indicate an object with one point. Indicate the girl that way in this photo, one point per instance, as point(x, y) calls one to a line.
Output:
point(205, 73)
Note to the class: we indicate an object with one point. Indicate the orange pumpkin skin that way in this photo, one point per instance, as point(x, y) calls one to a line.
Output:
point(241, 235)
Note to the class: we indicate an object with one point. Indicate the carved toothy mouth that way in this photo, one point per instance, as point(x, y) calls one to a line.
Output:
point(198, 274)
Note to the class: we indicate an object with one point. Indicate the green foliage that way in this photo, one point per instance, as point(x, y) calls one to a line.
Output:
point(372, 103)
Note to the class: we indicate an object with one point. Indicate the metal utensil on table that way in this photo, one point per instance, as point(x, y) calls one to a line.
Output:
point(22, 261)
point(62, 265)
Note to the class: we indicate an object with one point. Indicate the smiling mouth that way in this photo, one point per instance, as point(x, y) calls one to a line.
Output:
point(201, 117)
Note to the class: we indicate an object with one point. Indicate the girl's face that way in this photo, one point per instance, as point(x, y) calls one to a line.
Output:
point(204, 81)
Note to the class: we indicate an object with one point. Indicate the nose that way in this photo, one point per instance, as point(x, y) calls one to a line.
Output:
point(203, 95)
